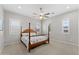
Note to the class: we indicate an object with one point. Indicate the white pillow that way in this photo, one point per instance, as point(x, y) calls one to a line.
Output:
point(27, 34)
point(33, 34)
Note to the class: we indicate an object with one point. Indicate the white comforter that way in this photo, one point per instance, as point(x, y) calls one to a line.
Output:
point(33, 39)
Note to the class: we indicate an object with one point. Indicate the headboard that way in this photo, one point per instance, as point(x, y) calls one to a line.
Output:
point(27, 31)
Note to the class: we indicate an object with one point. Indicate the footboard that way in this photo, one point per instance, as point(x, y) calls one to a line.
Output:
point(38, 44)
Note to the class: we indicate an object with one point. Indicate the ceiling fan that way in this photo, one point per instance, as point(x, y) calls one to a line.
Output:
point(43, 14)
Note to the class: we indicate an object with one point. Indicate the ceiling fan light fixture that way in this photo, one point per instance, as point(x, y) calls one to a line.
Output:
point(41, 17)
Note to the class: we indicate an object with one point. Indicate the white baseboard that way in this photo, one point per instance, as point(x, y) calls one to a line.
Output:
point(70, 43)
point(1, 50)
point(10, 43)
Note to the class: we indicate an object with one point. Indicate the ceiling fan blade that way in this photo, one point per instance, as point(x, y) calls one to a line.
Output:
point(47, 14)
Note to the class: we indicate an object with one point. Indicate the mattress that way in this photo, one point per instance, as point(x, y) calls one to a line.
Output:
point(33, 39)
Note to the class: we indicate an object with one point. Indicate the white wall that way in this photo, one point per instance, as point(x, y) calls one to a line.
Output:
point(11, 30)
point(45, 25)
point(78, 27)
point(13, 23)
point(56, 28)
point(1, 32)
point(34, 23)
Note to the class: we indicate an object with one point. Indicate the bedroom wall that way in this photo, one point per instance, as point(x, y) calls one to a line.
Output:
point(1, 32)
point(13, 23)
point(33, 22)
point(10, 33)
point(56, 28)
point(78, 27)
point(45, 25)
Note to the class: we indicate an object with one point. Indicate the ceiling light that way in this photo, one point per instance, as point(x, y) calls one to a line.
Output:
point(19, 7)
point(41, 17)
point(67, 7)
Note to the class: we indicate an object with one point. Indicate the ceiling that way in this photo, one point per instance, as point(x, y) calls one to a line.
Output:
point(29, 9)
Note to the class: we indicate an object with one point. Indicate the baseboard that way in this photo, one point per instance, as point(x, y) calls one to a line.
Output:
point(70, 43)
point(11, 43)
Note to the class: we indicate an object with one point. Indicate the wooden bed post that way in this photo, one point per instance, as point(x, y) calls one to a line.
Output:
point(29, 38)
point(48, 32)
point(21, 33)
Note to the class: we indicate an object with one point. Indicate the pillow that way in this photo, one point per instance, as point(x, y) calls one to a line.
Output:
point(27, 34)
point(32, 34)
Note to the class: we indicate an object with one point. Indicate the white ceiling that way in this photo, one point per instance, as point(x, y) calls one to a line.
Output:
point(29, 9)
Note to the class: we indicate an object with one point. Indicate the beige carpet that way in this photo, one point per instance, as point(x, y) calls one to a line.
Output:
point(47, 49)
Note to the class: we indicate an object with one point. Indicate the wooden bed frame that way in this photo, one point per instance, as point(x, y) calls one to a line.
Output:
point(35, 44)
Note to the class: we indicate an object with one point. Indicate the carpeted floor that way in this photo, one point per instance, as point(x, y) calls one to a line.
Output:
point(47, 49)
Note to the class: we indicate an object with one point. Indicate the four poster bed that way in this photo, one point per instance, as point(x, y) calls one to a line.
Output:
point(31, 40)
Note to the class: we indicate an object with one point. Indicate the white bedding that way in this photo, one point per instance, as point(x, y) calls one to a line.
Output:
point(33, 39)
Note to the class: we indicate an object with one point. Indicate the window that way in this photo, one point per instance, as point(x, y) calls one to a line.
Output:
point(65, 25)
point(14, 26)
point(1, 23)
